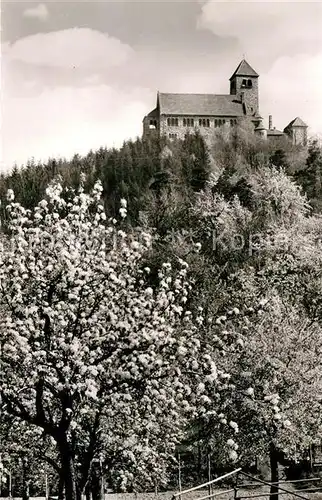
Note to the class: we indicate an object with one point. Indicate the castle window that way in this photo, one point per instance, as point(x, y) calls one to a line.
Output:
point(231, 123)
point(247, 84)
point(172, 122)
point(153, 124)
point(188, 122)
point(204, 122)
point(173, 136)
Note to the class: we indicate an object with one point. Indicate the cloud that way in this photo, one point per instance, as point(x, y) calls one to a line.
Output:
point(76, 47)
point(292, 87)
point(40, 12)
point(267, 29)
point(48, 111)
point(63, 121)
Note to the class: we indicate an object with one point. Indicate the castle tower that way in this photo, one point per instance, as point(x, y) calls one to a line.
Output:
point(244, 85)
point(297, 132)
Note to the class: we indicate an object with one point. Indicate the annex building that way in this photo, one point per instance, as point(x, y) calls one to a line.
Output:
point(177, 114)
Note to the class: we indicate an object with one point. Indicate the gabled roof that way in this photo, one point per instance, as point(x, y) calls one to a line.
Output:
point(260, 127)
point(244, 69)
point(275, 132)
point(153, 113)
point(199, 104)
point(297, 122)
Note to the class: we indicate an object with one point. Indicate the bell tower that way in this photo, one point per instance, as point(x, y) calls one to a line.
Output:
point(244, 85)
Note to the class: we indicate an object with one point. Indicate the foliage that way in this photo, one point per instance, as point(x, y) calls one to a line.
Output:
point(309, 177)
point(86, 343)
point(127, 338)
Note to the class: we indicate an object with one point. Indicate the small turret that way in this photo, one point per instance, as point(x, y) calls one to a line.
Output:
point(297, 132)
point(260, 130)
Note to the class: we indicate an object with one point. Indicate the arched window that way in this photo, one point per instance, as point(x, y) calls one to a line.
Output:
point(172, 122)
point(185, 122)
point(208, 122)
point(249, 84)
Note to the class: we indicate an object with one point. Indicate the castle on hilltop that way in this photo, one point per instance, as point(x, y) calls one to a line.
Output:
point(177, 114)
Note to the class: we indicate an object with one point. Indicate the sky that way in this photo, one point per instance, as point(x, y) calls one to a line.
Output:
point(80, 75)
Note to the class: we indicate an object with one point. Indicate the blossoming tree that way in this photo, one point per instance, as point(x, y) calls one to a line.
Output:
point(275, 396)
point(85, 343)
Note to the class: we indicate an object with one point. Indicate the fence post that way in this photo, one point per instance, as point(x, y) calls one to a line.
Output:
point(311, 457)
point(209, 475)
point(10, 485)
point(46, 486)
point(236, 486)
point(179, 475)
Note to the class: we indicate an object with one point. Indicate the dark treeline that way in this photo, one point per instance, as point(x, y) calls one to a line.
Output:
point(139, 170)
point(144, 171)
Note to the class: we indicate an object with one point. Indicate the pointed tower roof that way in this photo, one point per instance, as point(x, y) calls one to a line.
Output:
point(260, 127)
point(297, 122)
point(244, 69)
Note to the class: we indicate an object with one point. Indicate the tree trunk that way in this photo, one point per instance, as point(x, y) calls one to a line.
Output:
point(88, 495)
point(61, 487)
point(25, 491)
point(68, 469)
point(273, 457)
point(25, 482)
point(97, 483)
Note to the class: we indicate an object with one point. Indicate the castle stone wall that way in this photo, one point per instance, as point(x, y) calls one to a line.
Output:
point(299, 136)
point(180, 131)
